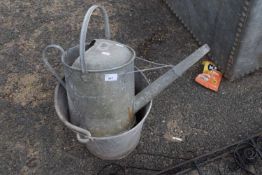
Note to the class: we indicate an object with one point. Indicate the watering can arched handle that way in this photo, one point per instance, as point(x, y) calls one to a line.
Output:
point(48, 65)
point(84, 32)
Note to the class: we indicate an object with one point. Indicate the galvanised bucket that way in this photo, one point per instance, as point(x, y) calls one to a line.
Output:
point(111, 147)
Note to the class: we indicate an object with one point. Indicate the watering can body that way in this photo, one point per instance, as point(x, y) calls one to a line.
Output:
point(101, 100)
point(99, 81)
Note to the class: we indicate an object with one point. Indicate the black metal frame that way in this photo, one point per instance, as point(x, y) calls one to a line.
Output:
point(237, 150)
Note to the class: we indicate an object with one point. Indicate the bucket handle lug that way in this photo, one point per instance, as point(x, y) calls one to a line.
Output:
point(84, 32)
point(83, 135)
point(83, 140)
point(48, 65)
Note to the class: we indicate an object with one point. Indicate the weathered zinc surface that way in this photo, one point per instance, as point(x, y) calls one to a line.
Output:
point(232, 29)
point(34, 141)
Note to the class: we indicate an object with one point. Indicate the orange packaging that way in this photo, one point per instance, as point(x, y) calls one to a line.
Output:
point(211, 77)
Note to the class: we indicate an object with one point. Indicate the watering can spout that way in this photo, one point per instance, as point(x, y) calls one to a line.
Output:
point(147, 94)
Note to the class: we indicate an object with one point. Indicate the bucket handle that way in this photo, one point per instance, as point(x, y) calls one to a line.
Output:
point(82, 135)
point(48, 65)
point(84, 32)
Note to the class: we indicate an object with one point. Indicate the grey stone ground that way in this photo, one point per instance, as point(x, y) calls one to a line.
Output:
point(34, 141)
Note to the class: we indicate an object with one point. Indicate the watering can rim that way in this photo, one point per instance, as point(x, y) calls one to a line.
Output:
point(102, 70)
point(150, 103)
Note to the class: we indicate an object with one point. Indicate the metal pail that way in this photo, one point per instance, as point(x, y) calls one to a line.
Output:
point(111, 147)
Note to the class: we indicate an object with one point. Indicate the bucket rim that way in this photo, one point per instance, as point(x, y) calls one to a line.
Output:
point(102, 70)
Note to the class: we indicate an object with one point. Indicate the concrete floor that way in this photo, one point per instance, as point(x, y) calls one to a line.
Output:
point(34, 141)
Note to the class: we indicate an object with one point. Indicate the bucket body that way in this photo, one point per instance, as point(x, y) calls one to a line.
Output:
point(110, 147)
point(100, 101)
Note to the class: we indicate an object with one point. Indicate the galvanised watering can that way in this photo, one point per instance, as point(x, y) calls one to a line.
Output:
point(99, 81)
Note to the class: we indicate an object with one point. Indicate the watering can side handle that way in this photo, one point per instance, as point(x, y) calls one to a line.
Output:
point(84, 32)
point(48, 65)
